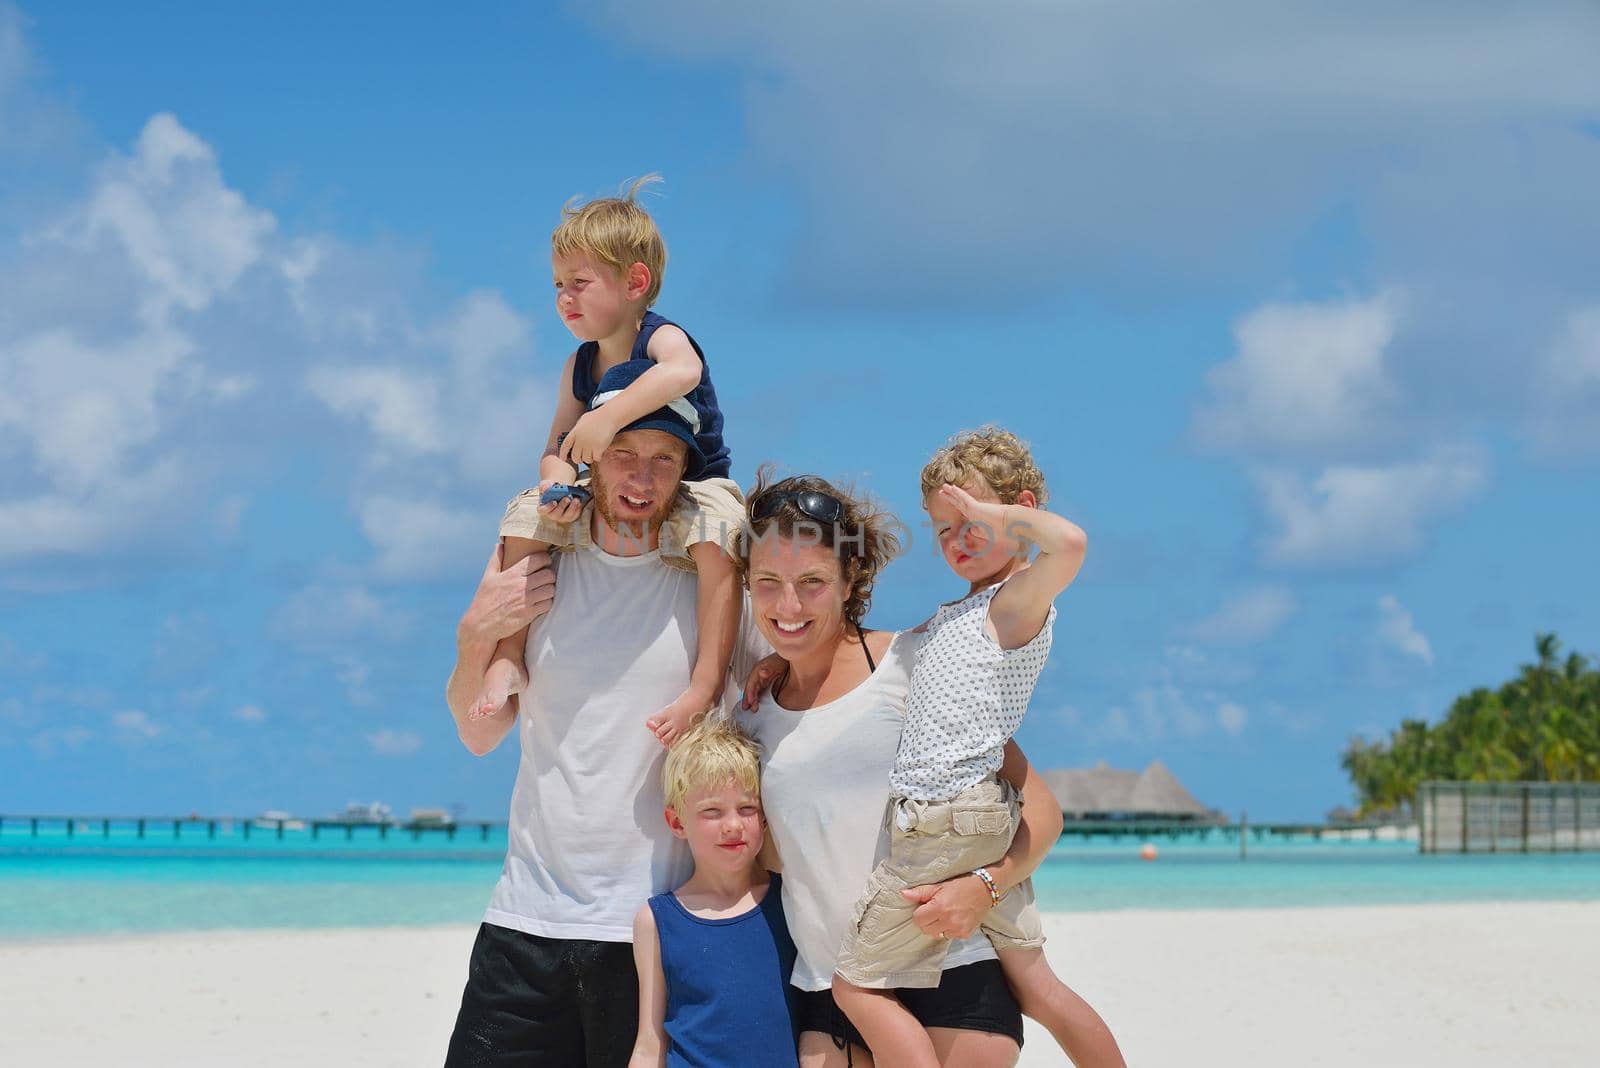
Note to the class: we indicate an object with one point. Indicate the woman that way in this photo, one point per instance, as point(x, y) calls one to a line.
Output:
point(829, 728)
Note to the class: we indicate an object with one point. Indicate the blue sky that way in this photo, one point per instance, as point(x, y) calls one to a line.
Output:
point(1298, 307)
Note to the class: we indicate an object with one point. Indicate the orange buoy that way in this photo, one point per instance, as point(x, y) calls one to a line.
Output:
point(1147, 852)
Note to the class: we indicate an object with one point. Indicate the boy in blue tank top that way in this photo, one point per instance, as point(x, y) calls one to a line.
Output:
point(607, 257)
point(714, 955)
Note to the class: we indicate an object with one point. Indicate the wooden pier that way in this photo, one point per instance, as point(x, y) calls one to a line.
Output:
point(267, 829)
point(247, 828)
point(1177, 829)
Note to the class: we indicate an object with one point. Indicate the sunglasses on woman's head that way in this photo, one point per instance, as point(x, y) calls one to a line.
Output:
point(822, 507)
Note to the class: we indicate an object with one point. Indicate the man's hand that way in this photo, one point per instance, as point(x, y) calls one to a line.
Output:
point(588, 438)
point(506, 601)
point(951, 909)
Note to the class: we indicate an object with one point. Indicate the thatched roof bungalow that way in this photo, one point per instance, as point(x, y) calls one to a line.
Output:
point(1101, 793)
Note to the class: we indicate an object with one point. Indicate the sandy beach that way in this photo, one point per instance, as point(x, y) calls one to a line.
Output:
point(1448, 985)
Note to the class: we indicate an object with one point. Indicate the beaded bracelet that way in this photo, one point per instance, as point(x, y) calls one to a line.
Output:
point(988, 882)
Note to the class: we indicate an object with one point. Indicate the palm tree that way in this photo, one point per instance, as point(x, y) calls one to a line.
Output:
point(1544, 724)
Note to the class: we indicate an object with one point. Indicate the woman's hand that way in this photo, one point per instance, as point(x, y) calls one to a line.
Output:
point(951, 909)
point(760, 680)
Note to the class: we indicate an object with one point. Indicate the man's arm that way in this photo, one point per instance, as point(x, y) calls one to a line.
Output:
point(957, 905)
point(505, 602)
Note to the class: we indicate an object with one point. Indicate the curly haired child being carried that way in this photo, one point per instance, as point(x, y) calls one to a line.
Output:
point(951, 815)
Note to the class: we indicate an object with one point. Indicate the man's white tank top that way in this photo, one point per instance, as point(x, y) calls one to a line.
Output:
point(588, 844)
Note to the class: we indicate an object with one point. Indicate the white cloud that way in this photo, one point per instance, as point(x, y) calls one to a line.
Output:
point(1304, 377)
point(1574, 361)
point(1364, 516)
point(134, 724)
point(392, 743)
point(421, 539)
point(101, 365)
point(14, 660)
point(1164, 710)
point(1398, 631)
point(162, 343)
point(399, 407)
point(320, 617)
point(353, 674)
point(1247, 617)
point(188, 234)
point(1092, 140)
point(1567, 386)
point(82, 407)
point(1232, 717)
point(252, 714)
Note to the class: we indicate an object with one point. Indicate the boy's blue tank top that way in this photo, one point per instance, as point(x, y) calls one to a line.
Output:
point(704, 397)
point(729, 1002)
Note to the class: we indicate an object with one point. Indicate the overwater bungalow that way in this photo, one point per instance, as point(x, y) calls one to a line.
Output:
point(1104, 793)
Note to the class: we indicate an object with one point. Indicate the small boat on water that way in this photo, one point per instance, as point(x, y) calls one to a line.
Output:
point(273, 818)
point(372, 813)
point(431, 817)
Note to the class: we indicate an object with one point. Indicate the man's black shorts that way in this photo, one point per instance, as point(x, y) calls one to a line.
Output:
point(546, 1001)
point(973, 997)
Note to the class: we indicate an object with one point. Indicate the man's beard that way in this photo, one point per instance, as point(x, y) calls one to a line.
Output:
point(636, 529)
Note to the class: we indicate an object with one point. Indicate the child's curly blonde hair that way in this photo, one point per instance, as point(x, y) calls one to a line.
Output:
point(617, 232)
point(712, 752)
point(991, 454)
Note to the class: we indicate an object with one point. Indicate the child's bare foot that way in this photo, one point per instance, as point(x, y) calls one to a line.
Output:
point(670, 723)
point(499, 683)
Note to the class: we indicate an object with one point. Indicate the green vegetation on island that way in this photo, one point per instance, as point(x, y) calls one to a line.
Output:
point(1541, 726)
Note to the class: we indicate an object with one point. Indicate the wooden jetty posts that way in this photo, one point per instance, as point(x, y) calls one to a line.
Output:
point(243, 826)
point(1245, 829)
point(247, 828)
point(1508, 817)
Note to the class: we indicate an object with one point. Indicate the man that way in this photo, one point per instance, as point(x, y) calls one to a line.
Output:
point(551, 978)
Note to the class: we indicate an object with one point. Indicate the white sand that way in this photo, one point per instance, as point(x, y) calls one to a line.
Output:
point(1453, 985)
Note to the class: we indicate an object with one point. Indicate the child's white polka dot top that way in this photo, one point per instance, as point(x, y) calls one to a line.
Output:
point(967, 700)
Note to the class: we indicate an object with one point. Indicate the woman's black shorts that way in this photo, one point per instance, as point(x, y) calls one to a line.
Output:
point(973, 997)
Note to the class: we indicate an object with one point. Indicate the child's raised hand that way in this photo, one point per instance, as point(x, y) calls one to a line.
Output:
point(760, 680)
point(973, 510)
point(588, 438)
point(987, 518)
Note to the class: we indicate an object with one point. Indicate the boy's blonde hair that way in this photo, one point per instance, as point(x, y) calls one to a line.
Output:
point(994, 456)
point(617, 232)
point(712, 752)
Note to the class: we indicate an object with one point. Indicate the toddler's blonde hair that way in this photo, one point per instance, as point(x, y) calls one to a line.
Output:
point(712, 752)
point(991, 454)
point(617, 232)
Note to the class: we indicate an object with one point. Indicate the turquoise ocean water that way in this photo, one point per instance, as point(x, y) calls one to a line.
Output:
point(52, 885)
